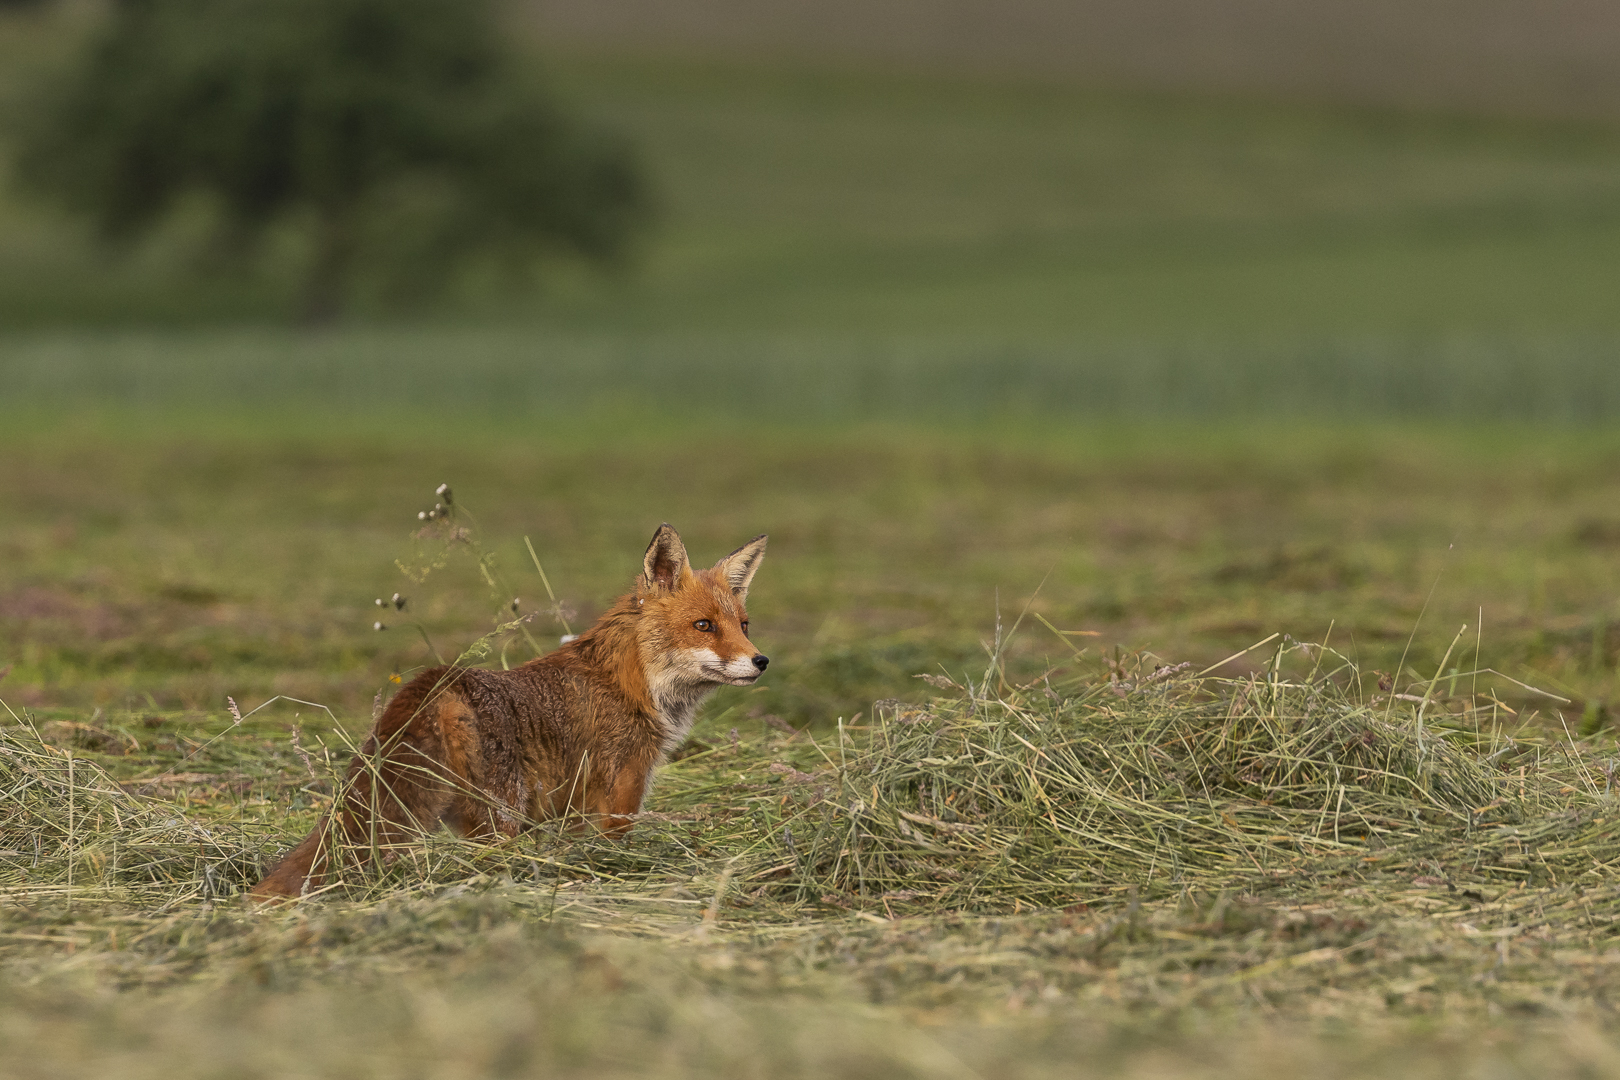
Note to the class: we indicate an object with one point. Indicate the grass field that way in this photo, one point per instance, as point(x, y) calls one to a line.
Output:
point(1521, 57)
point(1320, 881)
point(149, 575)
point(245, 562)
point(1184, 374)
point(817, 202)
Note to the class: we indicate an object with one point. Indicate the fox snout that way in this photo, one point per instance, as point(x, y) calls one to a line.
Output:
point(744, 672)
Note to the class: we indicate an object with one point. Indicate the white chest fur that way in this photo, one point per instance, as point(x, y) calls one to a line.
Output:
point(679, 684)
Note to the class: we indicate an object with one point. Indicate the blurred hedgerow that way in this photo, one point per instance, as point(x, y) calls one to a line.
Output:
point(401, 140)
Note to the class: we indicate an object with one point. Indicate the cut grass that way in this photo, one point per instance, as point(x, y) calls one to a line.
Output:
point(166, 561)
point(1091, 858)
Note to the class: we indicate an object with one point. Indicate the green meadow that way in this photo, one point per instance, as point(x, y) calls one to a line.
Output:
point(1039, 390)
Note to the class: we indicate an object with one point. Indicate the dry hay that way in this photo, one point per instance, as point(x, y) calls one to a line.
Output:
point(68, 830)
point(1146, 795)
point(1031, 798)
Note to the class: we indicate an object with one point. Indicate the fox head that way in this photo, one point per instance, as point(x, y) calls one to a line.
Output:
point(694, 625)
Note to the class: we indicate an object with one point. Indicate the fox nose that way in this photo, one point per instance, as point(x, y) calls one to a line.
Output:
point(760, 660)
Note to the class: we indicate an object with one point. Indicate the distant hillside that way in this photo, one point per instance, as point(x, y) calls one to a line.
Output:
point(1536, 57)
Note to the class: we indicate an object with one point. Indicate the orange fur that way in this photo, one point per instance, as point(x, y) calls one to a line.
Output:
point(574, 733)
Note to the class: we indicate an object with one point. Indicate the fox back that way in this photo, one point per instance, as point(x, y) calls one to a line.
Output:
point(576, 733)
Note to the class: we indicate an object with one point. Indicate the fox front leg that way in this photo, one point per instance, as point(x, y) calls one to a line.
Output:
point(615, 811)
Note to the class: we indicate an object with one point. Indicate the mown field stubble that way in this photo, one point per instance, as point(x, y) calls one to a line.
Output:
point(1039, 861)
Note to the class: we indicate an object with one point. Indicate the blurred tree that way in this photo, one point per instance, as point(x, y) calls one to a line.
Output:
point(401, 130)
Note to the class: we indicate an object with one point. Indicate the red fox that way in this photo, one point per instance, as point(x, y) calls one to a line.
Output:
point(576, 732)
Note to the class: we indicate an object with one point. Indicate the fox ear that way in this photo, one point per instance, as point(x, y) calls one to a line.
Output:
point(665, 563)
point(738, 567)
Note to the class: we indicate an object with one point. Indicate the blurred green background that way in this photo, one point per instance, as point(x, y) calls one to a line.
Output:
point(1218, 320)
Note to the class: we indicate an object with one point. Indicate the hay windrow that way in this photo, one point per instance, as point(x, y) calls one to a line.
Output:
point(978, 802)
point(1035, 799)
point(68, 829)
point(1146, 846)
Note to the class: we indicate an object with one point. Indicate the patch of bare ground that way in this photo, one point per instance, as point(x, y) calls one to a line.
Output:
point(30, 610)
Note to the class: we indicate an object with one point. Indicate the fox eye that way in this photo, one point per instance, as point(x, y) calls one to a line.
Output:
point(704, 625)
point(745, 627)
